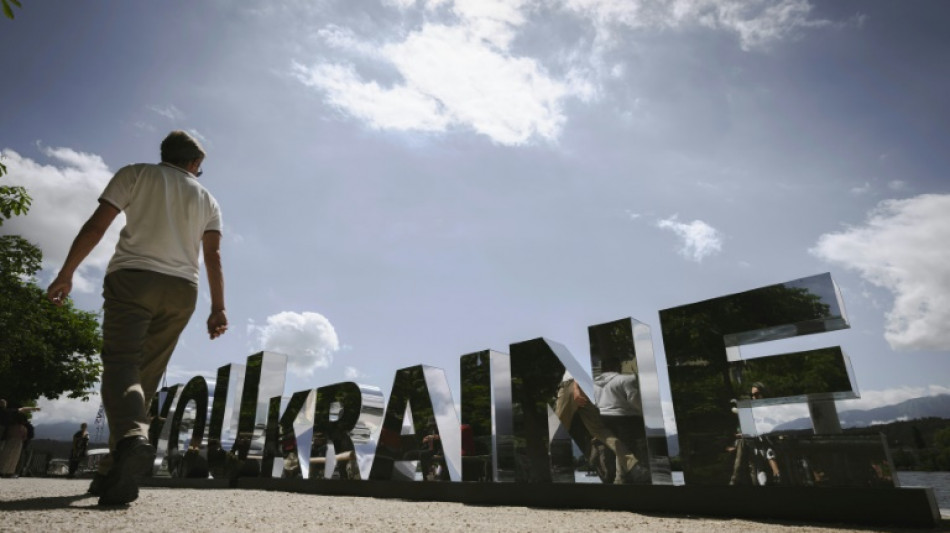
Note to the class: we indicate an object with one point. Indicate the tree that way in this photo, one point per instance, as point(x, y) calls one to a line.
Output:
point(45, 350)
point(7, 9)
point(942, 449)
point(13, 199)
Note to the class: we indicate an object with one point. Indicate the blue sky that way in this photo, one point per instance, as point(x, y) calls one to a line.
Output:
point(406, 181)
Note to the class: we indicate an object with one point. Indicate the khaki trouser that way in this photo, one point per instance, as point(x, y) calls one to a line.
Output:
point(144, 314)
point(566, 407)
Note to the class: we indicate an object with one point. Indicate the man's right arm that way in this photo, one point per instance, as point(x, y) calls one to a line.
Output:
point(87, 239)
point(217, 320)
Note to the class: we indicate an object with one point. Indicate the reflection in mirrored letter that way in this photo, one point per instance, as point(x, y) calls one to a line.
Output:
point(537, 380)
point(420, 399)
point(487, 438)
point(347, 421)
point(627, 393)
point(157, 410)
point(186, 426)
point(287, 448)
point(552, 395)
point(223, 423)
point(162, 428)
point(272, 461)
point(264, 379)
point(710, 382)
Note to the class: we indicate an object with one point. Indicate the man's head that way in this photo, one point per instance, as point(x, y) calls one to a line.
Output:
point(758, 390)
point(3, 403)
point(182, 150)
point(83, 426)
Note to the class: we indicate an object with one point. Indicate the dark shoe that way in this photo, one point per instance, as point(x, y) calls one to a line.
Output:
point(639, 475)
point(95, 487)
point(133, 457)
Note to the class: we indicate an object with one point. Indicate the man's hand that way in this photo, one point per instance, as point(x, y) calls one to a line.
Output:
point(217, 324)
point(59, 289)
point(580, 398)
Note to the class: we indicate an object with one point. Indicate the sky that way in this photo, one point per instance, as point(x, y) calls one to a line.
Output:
point(407, 181)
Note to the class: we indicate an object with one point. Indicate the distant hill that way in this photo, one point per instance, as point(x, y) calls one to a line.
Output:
point(63, 431)
point(927, 407)
point(917, 408)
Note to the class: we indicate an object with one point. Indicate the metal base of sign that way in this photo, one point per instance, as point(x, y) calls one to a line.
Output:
point(905, 507)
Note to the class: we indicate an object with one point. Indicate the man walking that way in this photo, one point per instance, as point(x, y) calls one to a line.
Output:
point(150, 290)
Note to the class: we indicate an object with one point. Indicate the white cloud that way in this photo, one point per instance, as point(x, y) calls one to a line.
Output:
point(197, 135)
point(861, 189)
point(757, 23)
point(175, 374)
point(346, 39)
point(451, 77)
point(169, 111)
point(67, 410)
point(398, 108)
point(457, 74)
point(495, 21)
point(458, 67)
point(64, 194)
point(767, 418)
point(902, 247)
point(897, 185)
point(352, 373)
point(699, 239)
point(308, 339)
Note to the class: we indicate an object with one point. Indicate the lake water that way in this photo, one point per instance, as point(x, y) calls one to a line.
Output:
point(938, 481)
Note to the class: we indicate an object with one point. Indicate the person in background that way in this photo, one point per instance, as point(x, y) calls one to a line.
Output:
point(7, 417)
point(13, 440)
point(78, 451)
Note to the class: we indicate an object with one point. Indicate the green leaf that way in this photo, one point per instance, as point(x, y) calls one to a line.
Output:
point(6, 10)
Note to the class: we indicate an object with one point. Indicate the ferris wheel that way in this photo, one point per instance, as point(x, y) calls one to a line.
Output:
point(100, 421)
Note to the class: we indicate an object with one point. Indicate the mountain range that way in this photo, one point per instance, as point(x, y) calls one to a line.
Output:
point(926, 407)
point(65, 431)
point(916, 408)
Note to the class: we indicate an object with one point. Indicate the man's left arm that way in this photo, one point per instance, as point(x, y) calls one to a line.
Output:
point(217, 320)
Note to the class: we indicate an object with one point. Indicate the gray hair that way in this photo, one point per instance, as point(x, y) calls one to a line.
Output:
point(179, 148)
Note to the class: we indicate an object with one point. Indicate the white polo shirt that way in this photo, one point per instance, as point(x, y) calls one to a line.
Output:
point(166, 214)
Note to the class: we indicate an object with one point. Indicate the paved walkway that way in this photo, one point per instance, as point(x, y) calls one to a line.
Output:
point(48, 505)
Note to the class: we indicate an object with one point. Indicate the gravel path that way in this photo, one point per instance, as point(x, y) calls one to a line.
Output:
point(48, 505)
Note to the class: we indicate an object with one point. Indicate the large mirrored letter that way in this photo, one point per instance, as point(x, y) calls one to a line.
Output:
point(222, 427)
point(287, 445)
point(627, 393)
point(552, 403)
point(347, 422)
point(488, 452)
point(263, 379)
point(185, 431)
point(160, 426)
point(420, 427)
point(710, 382)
